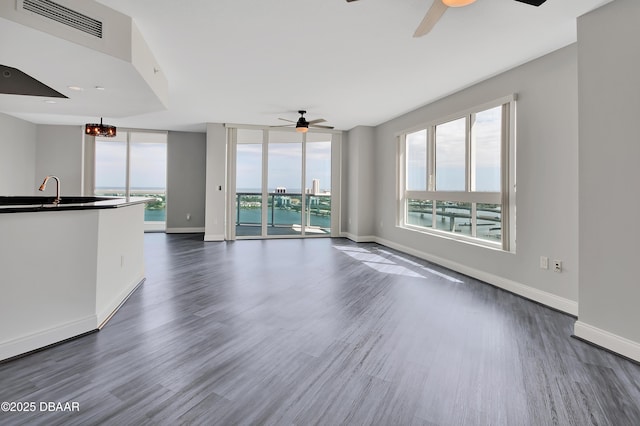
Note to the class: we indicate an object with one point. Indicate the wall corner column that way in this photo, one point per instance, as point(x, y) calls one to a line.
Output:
point(215, 182)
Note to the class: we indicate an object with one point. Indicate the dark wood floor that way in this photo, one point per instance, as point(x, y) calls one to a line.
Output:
point(321, 331)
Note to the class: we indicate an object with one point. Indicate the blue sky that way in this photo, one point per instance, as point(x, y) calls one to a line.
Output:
point(285, 165)
point(450, 154)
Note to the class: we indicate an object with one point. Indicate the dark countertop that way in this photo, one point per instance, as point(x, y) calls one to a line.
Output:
point(21, 204)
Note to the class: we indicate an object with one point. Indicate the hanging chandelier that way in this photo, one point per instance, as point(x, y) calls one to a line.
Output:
point(105, 130)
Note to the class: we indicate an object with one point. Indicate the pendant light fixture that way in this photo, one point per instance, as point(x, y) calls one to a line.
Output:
point(105, 130)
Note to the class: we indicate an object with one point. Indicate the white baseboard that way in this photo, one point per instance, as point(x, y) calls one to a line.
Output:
point(108, 311)
point(214, 237)
point(184, 230)
point(359, 238)
point(46, 337)
point(154, 226)
point(605, 339)
point(548, 299)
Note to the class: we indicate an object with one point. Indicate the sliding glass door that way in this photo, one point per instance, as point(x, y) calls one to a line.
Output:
point(318, 184)
point(282, 181)
point(248, 210)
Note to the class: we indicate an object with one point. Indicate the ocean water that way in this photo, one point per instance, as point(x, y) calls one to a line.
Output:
point(150, 215)
point(155, 215)
point(282, 217)
point(489, 230)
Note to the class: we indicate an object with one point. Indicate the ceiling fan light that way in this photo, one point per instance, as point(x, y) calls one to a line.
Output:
point(457, 3)
point(302, 129)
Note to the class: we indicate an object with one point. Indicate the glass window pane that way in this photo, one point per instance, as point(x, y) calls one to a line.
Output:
point(111, 165)
point(450, 156)
point(318, 184)
point(249, 168)
point(417, 161)
point(148, 172)
point(284, 183)
point(485, 150)
point(248, 214)
point(419, 213)
point(285, 214)
point(249, 188)
point(489, 222)
point(318, 167)
point(285, 162)
point(453, 217)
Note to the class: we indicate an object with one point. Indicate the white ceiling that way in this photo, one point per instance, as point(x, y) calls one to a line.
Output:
point(252, 61)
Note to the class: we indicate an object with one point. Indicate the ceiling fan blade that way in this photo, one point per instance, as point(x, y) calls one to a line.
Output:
point(284, 125)
point(320, 127)
point(349, 1)
point(284, 119)
point(531, 2)
point(436, 10)
point(318, 120)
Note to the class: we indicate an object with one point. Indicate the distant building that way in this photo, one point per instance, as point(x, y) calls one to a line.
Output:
point(282, 201)
point(281, 190)
point(315, 187)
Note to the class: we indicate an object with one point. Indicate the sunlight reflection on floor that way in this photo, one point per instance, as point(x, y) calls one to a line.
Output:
point(388, 266)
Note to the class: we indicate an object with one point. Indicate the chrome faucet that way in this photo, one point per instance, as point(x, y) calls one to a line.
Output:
point(44, 185)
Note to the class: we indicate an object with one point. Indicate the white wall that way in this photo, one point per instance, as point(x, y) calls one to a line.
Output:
point(609, 82)
point(215, 182)
point(359, 210)
point(59, 152)
point(547, 177)
point(120, 257)
point(17, 156)
point(146, 64)
point(48, 263)
point(186, 181)
point(65, 272)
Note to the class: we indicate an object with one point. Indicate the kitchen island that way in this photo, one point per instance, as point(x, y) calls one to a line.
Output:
point(65, 268)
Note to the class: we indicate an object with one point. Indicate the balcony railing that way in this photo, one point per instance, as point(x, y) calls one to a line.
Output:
point(284, 211)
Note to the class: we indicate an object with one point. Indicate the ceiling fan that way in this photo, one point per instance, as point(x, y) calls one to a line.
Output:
point(302, 125)
point(438, 8)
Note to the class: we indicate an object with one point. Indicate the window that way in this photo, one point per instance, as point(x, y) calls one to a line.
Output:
point(417, 161)
point(451, 155)
point(134, 163)
point(283, 183)
point(457, 176)
point(249, 182)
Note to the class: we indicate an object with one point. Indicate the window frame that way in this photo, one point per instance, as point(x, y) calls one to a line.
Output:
point(336, 178)
point(149, 226)
point(505, 197)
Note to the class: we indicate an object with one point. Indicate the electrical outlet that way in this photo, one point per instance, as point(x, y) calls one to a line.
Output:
point(544, 262)
point(557, 266)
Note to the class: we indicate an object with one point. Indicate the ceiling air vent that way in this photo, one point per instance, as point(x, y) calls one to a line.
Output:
point(64, 15)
